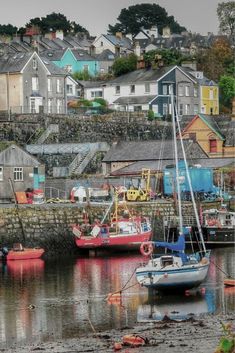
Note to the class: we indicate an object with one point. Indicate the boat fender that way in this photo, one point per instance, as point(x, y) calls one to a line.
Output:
point(204, 261)
point(146, 248)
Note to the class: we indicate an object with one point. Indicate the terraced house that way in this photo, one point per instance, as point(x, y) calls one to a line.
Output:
point(29, 83)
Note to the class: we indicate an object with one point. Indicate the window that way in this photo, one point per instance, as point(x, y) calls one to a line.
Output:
point(86, 68)
point(32, 105)
point(181, 109)
point(213, 145)
point(49, 85)
point(35, 64)
point(181, 91)
point(59, 106)
point(164, 89)
point(187, 108)
point(132, 89)
point(1, 173)
point(165, 109)
point(195, 92)
point(171, 89)
point(117, 88)
point(187, 91)
point(101, 44)
point(147, 87)
point(18, 174)
point(211, 94)
point(50, 106)
point(35, 86)
point(96, 94)
point(196, 108)
point(58, 86)
point(69, 89)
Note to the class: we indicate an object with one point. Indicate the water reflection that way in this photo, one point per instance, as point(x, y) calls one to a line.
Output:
point(50, 300)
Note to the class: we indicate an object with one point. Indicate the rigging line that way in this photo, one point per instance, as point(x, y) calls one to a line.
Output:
point(219, 268)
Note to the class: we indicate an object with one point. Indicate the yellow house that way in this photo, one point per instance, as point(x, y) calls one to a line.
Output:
point(209, 97)
point(215, 134)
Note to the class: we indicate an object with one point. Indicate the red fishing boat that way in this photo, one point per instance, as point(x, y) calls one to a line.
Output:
point(124, 231)
point(18, 252)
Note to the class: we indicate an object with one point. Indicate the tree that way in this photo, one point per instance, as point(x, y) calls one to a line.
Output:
point(217, 60)
point(124, 65)
point(159, 57)
point(144, 15)
point(56, 21)
point(226, 16)
point(227, 90)
point(8, 29)
point(82, 75)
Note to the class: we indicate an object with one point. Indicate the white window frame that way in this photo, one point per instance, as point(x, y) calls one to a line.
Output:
point(58, 86)
point(211, 94)
point(59, 106)
point(49, 105)
point(18, 174)
point(1, 173)
point(86, 68)
point(165, 109)
point(164, 90)
point(49, 84)
point(187, 109)
point(35, 85)
point(69, 89)
point(196, 109)
point(186, 91)
point(195, 92)
point(171, 91)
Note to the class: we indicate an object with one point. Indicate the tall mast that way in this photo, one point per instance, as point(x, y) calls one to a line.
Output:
point(176, 165)
point(190, 185)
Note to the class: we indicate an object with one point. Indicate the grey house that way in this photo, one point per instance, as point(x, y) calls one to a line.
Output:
point(22, 169)
point(30, 83)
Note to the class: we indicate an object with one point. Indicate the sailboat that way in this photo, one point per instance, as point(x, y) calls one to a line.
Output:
point(176, 270)
point(123, 231)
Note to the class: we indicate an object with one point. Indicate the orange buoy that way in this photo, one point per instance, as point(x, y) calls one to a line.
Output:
point(146, 248)
point(133, 340)
point(114, 298)
point(229, 282)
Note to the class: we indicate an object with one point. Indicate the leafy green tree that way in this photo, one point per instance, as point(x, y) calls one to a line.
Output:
point(82, 75)
point(144, 15)
point(159, 57)
point(226, 16)
point(101, 101)
point(227, 90)
point(8, 29)
point(124, 65)
point(76, 28)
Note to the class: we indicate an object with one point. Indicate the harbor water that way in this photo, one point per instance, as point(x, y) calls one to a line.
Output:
point(57, 299)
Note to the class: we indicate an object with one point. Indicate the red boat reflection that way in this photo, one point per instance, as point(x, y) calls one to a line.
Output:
point(26, 268)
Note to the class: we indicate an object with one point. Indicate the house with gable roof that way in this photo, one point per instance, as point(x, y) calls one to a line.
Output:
point(29, 83)
point(215, 134)
point(118, 44)
point(73, 60)
point(24, 170)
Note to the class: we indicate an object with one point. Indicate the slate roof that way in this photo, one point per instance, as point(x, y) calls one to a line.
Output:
point(142, 75)
point(134, 99)
point(82, 55)
point(17, 156)
point(126, 151)
point(54, 55)
point(15, 63)
point(106, 55)
point(222, 125)
point(121, 42)
point(90, 84)
point(50, 43)
point(136, 167)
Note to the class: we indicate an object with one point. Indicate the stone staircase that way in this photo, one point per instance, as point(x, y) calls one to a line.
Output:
point(51, 129)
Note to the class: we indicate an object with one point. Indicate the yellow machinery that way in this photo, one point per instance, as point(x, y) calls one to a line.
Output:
point(140, 194)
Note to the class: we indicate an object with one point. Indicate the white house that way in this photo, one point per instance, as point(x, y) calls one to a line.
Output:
point(117, 44)
point(147, 33)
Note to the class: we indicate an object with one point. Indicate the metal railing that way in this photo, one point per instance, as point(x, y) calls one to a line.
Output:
point(52, 193)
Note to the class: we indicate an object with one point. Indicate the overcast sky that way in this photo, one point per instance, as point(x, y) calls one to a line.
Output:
point(95, 15)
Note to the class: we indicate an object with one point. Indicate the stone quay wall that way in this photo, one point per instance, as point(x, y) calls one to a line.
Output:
point(50, 226)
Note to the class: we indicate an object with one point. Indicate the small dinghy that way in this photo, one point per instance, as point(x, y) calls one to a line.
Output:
point(229, 282)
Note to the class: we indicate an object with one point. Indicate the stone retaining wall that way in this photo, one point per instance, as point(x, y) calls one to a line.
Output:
point(50, 226)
